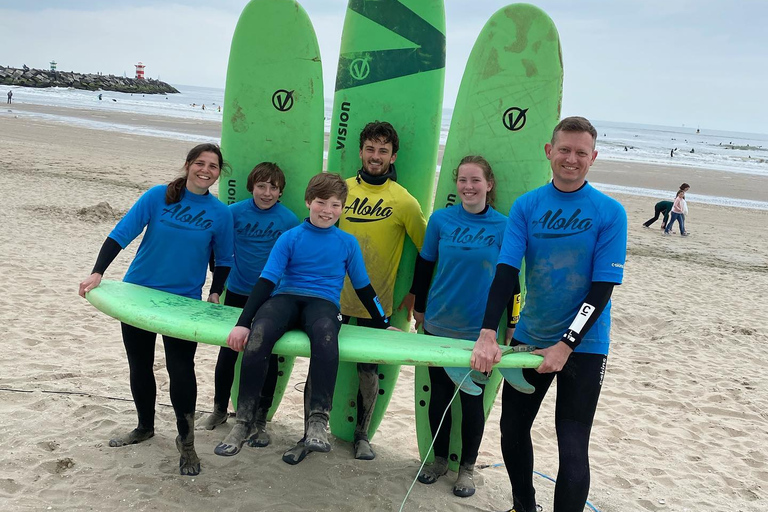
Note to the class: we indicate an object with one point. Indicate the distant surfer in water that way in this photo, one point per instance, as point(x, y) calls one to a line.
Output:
point(183, 222)
point(10, 96)
point(463, 241)
point(379, 213)
point(574, 241)
point(259, 221)
point(310, 263)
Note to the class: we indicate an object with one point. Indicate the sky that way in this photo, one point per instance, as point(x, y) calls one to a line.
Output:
point(701, 63)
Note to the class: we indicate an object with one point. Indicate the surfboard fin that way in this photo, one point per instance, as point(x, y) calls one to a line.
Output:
point(459, 377)
point(515, 378)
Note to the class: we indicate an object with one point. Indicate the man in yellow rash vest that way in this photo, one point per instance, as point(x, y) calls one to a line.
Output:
point(379, 212)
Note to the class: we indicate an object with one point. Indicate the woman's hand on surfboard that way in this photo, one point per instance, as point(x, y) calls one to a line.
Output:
point(555, 357)
point(486, 352)
point(238, 337)
point(214, 298)
point(408, 301)
point(393, 328)
point(91, 282)
point(419, 317)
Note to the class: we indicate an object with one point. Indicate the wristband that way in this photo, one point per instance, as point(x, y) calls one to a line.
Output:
point(515, 316)
point(571, 338)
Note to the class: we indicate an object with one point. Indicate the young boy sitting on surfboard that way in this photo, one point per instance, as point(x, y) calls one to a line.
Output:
point(310, 262)
point(379, 214)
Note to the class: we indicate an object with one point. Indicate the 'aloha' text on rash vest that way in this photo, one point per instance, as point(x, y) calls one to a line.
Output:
point(183, 215)
point(557, 222)
point(361, 207)
point(465, 237)
point(253, 231)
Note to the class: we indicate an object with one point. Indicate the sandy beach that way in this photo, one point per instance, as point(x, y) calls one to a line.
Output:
point(682, 423)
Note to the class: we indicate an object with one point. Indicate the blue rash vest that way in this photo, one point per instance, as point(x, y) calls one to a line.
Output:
point(256, 232)
point(569, 240)
point(466, 247)
point(174, 253)
point(313, 262)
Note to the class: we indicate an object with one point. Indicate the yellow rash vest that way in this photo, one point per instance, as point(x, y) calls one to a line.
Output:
point(379, 216)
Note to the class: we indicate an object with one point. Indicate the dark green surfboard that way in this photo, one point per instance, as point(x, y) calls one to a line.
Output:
point(507, 106)
point(391, 68)
point(273, 111)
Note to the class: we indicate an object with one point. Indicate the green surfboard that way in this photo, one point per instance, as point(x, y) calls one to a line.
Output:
point(203, 322)
point(507, 106)
point(273, 111)
point(391, 68)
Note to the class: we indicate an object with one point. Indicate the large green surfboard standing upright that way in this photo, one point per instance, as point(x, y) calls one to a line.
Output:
point(273, 111)
point(391, 68)
point(507, 106)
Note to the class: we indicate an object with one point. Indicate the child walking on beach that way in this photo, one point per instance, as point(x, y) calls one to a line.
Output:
point(309, 262)
point(679, 208)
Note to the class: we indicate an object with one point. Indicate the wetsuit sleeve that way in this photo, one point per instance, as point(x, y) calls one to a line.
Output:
point(367, 296)
point(422, 278)
point(513, 306)
point(212, 262)
point(220, 275)
point(597, 298)
point(109, 251)
point(259, 295)
point(414, 221)
point(502, 287)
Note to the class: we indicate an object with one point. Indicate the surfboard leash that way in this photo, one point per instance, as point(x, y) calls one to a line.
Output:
point(439, 426)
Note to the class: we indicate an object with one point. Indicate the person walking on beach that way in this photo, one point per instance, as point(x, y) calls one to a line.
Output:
point(679, 208)
point(10, 96)
point(258, 223)
point(379, 213)
point(465, 268)
point(574, 242)
point(183, 222)
point(662, 208)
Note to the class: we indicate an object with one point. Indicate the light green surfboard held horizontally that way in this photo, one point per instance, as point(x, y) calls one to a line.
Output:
point(203, 322)
point(273, 111)
point(391, 68)
point(507, 106)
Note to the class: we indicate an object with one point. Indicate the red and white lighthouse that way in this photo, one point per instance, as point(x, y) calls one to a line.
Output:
point(140, 71)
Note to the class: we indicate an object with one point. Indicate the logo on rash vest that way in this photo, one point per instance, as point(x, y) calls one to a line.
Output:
point(465, 236)
point(252, 231)
point(179, 215)
point(366, 212)
point(559, 225)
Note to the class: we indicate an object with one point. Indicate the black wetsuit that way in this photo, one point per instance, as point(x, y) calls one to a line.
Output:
point(661, 208)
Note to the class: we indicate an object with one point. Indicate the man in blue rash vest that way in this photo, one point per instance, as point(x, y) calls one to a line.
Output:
point(183, 222)
point(259, 221)
point(309, 262)
point(574, 241)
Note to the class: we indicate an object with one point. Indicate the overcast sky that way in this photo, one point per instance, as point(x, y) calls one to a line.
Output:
point(671, 62)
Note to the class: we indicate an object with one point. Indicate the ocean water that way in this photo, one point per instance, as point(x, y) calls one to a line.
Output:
point(699, 147)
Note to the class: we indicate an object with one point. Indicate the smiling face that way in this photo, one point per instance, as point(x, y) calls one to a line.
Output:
point(472, 187)
point(202, 172)
point(571, 155)
point(323, 213)
point(265, 194)
point(376, 157)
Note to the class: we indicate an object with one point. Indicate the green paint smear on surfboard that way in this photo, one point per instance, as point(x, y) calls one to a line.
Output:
point(507, 106)
point(273, 111)
point(391, 68)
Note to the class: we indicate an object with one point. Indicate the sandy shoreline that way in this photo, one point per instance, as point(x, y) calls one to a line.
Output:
point(682, 423)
